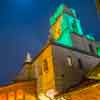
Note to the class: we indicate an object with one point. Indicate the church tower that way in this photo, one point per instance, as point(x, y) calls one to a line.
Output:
point(64, 22)
point(68, 55)
point(66, 68)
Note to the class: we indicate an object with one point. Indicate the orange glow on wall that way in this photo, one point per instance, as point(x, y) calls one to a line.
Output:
point(19, 95)
point(29, 97)
point(11, 96)
point(91, 92)
point(56, 28)
point(3, 97)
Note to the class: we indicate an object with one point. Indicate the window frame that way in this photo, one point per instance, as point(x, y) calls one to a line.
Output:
point(69, 61)
point(45, 65)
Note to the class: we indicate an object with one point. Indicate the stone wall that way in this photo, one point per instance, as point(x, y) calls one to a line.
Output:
point(88, 93)
point(68, 76)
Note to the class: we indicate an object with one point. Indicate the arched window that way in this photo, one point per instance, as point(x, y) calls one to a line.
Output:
point(91, 48)
point(3, 97)
point(19, 95)
point(11, 96)
point(45, 65)
point(69, 61)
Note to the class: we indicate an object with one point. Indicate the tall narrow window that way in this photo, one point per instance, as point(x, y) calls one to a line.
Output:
point(40, 69)
point(11, 96)
point(80, 63)
point(19, 95)
point(69, 61)
point(91, 48)
point(45, 65)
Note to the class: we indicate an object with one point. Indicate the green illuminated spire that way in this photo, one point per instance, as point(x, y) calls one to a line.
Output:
point(98, 51)
point(90, 37)
point(58, 12)
point(77, 27)
point(65, 39)
point(63, 23)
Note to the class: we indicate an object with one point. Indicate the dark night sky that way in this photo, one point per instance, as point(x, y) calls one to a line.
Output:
point(24, 26)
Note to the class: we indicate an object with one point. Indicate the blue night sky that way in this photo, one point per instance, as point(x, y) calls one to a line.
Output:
point(24, 26)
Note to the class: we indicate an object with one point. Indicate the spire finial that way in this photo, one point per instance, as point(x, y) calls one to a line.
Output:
point(28, 57)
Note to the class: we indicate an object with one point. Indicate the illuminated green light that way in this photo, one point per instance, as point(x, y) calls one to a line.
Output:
point(74, 12)
point(66, 22)
point(63, 24)
point(90, 37)
point(72, 24)
point(65, 39)
point(78, 27)
point(98, 51)
point(52, 20)
point(58, 12)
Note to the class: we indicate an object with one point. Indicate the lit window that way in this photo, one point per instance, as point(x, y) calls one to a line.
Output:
point(45, 66)
point(3, 97)
point(42, 96)
point(29, 97)
point(69, 61)
point(19, 95)
point(11, 96)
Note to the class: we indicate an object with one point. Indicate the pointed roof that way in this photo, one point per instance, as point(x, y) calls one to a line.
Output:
point(94, 73)
point(62, 8)
point(28, 58)
point(27, 71)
